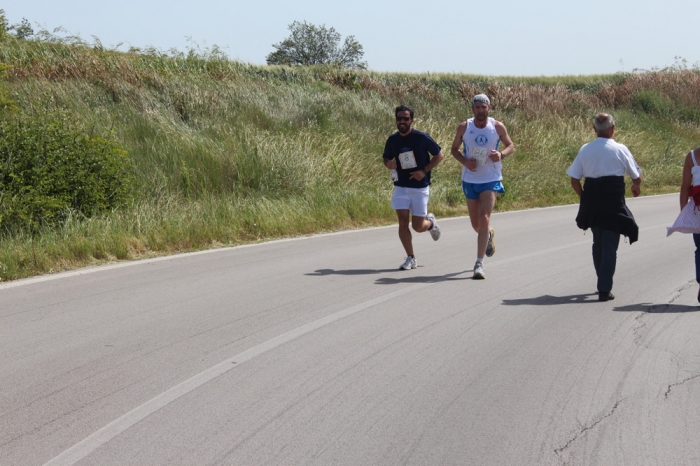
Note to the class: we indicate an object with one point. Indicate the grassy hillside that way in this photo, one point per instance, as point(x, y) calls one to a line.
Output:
point(224, 152)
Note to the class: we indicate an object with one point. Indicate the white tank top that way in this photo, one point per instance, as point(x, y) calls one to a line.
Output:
point(695, 171)
point(478, 143)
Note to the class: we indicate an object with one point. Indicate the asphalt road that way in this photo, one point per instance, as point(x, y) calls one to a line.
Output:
point(318, 351)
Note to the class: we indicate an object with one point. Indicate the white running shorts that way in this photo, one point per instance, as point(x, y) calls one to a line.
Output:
point(412, 199)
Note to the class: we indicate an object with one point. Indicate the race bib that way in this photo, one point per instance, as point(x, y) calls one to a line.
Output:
point(407, 160)
point(481, 155)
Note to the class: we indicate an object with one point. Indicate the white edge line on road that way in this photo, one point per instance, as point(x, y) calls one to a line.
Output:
point(113, 429)
point(104, 268)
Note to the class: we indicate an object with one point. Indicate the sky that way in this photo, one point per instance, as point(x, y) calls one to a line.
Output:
point(500, 38)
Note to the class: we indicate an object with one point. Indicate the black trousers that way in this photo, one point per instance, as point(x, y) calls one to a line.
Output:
point(605, 243)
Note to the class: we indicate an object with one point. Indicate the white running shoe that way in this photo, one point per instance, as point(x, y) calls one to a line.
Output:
point(491, 245)
point(479, 271)
point(435, 230)
point(409, 264)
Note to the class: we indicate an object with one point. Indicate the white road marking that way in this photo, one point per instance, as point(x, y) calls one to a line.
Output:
point(111, 430)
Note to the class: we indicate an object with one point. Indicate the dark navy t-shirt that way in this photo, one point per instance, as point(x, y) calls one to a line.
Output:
point(421, 145)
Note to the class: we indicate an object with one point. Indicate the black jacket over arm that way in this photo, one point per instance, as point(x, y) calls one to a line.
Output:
point(603, 206)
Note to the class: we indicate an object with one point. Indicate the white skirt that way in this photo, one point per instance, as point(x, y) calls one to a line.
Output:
point(688, 220)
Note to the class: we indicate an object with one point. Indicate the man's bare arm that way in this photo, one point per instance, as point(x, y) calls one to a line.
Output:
point(637, 187)
point(456, 148)
point(576, 184)
point(508, 146)
point(434, 161)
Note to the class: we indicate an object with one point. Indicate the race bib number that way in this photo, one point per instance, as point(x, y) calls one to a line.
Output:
point(481, 155)
point(407, 160)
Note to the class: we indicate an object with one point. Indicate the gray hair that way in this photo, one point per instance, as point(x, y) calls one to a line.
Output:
point(603, 122)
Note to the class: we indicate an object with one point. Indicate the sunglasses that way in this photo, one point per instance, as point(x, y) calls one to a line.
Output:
point(403, 118)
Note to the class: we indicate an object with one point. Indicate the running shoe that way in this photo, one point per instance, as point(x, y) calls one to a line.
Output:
point(491, 245)
point(409, 263)
point(479, 271)
point(435, 229)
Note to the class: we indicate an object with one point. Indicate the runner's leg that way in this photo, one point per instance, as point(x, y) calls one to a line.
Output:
point(487, 199)
point(404, 231)
point(420, 224)
point(419, 207)
point(473, 209)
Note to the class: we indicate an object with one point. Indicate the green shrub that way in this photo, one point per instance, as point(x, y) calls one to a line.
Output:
point(7, 105)
point(50, 170)
point(688, 113)
point(654, 103)
point(651, 102)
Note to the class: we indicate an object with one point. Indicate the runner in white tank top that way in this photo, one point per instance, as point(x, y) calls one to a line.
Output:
point(478, 144)
point(480, 138)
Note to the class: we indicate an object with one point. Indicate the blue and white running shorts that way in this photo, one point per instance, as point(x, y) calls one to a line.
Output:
point(472, 190)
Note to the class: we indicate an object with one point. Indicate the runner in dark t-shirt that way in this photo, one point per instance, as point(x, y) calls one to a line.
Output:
point(409, 152)
point(422, 146)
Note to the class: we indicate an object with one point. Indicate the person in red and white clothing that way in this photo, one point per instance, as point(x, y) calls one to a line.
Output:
point(688, 220)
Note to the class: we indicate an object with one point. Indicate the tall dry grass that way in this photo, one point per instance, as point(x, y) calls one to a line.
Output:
point(227, 152)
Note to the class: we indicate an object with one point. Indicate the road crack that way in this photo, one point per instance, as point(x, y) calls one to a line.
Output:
point(636, 331)
point(670, 387)
point(585, 430)
point(679, 291)
point(661, 308)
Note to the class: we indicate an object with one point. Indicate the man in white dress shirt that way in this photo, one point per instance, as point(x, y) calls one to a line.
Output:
point(603, 162)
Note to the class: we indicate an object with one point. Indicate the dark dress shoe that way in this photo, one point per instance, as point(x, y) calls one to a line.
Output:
point(605, 296)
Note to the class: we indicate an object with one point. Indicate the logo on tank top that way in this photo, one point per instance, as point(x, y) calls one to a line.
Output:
point(481, 140)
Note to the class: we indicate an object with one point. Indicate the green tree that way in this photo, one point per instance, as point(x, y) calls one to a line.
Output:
point(4, 25)
point(22, 30)
point(309, 44)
